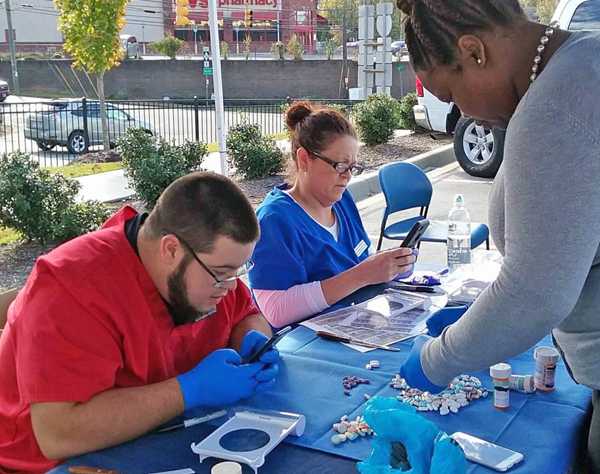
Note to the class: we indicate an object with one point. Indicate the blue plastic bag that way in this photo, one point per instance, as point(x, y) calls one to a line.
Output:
point(407, 443)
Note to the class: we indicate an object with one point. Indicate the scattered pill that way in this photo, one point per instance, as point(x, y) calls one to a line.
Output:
point(344, 418)
point(335, 439)
point(368, 366)
point(457, 395)
point(374, 364)
point(367, 396)
point(347, 393)
point(342, 429)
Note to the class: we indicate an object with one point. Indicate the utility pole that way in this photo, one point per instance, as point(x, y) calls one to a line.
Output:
point(218, 84)
point(11, 40)
point(344, 53)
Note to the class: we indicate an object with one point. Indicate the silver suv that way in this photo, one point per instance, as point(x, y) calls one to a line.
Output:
point(62, 124)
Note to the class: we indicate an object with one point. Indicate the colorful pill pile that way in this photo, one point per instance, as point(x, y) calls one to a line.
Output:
point(458, 394)
point(350, 430)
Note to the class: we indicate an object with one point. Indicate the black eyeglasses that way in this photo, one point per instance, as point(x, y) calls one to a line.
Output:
point(243, 270)
point(339, 166)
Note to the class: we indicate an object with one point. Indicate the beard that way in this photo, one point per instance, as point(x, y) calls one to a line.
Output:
point(181, 309)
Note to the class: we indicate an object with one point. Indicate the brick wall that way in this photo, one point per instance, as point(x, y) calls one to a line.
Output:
point(149, 79)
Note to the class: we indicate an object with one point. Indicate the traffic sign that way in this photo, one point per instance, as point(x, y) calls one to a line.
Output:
point(400, 69)
point(206, 49)
point(208, 71)
point(206, 56)
point(206, 63)
point(194, 28)
point(237, 27)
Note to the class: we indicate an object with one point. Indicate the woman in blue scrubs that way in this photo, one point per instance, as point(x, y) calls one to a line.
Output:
point(313, 249)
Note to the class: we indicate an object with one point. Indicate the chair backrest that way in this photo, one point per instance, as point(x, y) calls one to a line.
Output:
point(6, 299)
point(404, 186)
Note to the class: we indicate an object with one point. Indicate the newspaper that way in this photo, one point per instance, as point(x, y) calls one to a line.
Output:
point(388, 318)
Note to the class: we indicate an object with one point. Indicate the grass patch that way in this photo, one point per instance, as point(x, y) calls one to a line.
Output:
point(8, 235)
point(85, 169)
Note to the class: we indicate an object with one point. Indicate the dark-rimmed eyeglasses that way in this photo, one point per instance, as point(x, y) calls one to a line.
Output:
point(339, 166)
point(243, 270)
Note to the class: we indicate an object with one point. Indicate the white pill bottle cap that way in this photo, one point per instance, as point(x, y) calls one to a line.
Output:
point(546, 355)
point(500, 371)
point(226, 468)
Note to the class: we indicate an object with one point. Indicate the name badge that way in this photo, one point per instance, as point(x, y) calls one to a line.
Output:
point(360, 248)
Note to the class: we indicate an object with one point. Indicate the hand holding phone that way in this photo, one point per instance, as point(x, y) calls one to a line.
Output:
point(487, 454)
point(268, 345)
point(414, 235)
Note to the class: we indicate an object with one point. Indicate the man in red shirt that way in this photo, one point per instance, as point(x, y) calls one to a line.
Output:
point(120, 330)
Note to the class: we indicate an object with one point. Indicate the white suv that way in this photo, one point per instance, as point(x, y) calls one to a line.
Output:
point(479, 151)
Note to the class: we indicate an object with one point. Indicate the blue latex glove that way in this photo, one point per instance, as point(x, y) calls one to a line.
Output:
point(412, 370)
point(444, 317)
point(408, 273)
point(252, 342)
point(219, 379)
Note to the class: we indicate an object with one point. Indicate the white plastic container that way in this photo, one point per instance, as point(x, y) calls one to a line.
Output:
point(546, 359)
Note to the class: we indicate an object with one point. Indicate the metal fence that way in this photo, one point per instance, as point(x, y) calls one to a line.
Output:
point(56, 132)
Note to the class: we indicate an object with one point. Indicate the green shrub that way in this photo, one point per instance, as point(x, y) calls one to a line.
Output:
point(33, 56)
point(150, 164)
point(168, 46)
point(295, 48)
point(376, 118)
point(278, 50)
point(41, 206)
point(253, 154)
point(406, 112)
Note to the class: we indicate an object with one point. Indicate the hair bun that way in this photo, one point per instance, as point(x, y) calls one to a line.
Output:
point(297, 112)
point(406, 6)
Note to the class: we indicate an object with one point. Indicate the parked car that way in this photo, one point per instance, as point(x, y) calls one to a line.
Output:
point(399, 48)
point(480, 151)
point(62, 124)
point(4, 91)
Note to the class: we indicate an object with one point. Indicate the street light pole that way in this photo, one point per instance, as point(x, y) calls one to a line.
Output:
point(11, 40)
point(144, 38)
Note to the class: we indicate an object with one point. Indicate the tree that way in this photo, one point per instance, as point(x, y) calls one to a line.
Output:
point(91, 32)
point(543, 8)
point(168, 46)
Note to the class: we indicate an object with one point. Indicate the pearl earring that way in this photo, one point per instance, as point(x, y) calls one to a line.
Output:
point(478, 60)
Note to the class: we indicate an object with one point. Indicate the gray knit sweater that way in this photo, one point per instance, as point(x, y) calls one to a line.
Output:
point(545, 220)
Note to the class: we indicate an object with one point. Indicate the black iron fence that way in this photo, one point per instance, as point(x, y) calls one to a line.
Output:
point(56, 132)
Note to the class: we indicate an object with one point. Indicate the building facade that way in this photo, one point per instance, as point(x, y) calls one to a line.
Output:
point(35, 24)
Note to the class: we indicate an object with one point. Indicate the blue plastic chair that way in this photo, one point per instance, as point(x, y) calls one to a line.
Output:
point(405, 186)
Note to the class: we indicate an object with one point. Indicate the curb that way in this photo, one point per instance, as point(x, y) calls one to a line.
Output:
point(367, 185)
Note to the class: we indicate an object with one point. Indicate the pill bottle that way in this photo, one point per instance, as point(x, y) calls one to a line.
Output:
point(522, 383)
point(501, 379)
point(546, 359)
point(226, 468)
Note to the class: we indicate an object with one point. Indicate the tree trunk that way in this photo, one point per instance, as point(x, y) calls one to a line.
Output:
point(105, 137)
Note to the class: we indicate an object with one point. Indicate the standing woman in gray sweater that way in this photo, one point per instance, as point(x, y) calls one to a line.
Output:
point(543, 85)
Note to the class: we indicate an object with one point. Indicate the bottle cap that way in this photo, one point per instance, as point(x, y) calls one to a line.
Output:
point(546, 355)
point(459, 200)
point(500, 371)
point(226, 468)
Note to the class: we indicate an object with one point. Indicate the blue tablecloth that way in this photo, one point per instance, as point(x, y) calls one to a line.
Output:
point(543, 426)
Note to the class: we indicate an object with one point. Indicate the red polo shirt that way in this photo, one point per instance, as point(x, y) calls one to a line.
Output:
point(90, 319)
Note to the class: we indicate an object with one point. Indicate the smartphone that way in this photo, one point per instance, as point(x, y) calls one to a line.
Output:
point(270, 343)
point(487, 454)
point(415, 288)
point(415, 233)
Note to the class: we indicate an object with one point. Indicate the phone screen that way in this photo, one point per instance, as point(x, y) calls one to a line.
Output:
point(270, 343)
point(483, 452)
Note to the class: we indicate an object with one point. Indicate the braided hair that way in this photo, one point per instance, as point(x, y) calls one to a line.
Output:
point(432, 27)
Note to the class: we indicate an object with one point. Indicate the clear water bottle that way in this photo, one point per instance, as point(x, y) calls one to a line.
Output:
point(459, 234)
